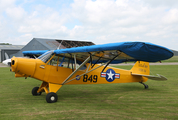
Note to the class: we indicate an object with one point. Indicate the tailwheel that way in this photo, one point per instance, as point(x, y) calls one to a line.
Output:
point(34, 91)
point(51, 97)
point(145, 85)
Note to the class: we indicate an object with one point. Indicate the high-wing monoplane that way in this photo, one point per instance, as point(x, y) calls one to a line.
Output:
point(89, 65)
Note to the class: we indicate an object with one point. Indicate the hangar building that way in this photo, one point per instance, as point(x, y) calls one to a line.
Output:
point(50, 44)
point(7, 50)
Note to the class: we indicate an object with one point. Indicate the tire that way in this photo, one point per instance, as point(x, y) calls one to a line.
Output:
point(51, 97)
point(34, 91)
point(146, 86)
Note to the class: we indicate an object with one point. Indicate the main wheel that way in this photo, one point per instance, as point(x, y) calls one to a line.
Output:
point(51, 97)
point(34, 91)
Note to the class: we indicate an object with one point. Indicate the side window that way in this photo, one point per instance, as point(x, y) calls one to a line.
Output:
point(53, 61)
point(62, 61)
point(65, 62)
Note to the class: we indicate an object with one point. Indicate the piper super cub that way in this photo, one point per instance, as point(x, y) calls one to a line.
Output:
point(89, 65)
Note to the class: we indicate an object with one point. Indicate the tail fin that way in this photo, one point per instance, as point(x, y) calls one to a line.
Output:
point(141, 67)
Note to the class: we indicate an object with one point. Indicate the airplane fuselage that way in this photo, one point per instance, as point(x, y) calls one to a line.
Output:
point(37, 69)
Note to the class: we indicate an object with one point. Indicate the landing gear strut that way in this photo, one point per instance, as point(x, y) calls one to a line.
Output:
point(34, 91)
point(146, 86)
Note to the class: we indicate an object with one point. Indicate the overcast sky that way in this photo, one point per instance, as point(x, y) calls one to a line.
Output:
point(99, 21)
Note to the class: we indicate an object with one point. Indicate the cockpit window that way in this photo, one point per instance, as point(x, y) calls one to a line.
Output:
point(59, 60)
point(62, 61)
point(45, 57)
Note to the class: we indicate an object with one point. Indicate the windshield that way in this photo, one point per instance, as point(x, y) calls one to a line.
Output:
point(45, 57)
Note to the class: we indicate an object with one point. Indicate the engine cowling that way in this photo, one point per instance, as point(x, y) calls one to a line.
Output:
point(23, 66)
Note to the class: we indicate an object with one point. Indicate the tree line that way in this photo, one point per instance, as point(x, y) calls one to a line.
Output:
point(5, 44)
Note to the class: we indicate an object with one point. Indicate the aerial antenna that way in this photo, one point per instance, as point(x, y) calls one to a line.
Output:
point(60, 45)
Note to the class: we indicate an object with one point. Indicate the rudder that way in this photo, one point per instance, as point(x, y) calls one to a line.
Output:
point(141, 67)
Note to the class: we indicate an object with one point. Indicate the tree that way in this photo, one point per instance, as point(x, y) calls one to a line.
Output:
point(5, 44)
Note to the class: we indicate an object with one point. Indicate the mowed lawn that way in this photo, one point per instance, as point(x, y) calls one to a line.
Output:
point(105, 101)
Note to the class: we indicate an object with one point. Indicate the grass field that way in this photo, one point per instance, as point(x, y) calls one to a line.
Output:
point(105, 101)
point(173, 59)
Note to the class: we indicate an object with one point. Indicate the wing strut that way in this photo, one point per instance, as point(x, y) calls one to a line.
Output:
point(90, 59)
point(86, 72)
point(75, 67)
point(76, 70)
point(95, 62)
point(71, 62)
point(109, 62)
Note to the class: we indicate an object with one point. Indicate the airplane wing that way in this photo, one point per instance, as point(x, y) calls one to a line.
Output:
point(157, 78)
point(37, 52)
point(115, 52)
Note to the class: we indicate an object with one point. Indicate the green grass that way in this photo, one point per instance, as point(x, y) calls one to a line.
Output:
point(105, 101)
point(173, 59)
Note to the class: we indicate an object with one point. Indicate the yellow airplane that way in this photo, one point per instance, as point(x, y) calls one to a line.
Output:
point(89, 65)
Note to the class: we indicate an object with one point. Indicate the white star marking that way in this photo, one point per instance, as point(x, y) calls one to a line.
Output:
point(110, 75)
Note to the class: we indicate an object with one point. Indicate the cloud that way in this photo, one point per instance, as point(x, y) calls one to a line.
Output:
point(110, 20)
point(5, 4)
point(15, 13)
point(100, 21)
point(42, 21)
point(171, 17)
point(158, 3)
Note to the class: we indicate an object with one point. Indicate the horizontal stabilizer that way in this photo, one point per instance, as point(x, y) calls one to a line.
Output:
point(158, 78)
